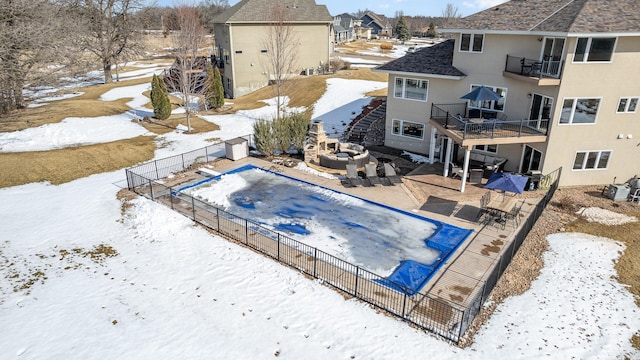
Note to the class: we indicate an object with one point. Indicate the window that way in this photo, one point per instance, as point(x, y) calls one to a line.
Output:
point(408, 129)
point(471, 42)
point(594, 49)
point(490, 105)
point(590, 160)
point(238, 51)
point(627, 105)
point(264, 51)
point(487, 148)
point(579, 111)
point(412, 89)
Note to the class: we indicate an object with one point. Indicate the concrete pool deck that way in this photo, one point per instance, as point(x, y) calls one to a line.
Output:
point(463, 275)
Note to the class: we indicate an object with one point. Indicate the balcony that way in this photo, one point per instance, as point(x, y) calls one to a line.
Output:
point(469, 131)
point(541, 73)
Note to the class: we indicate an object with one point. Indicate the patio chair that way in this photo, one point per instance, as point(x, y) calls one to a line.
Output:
point(372, 174)
point(514, 214)
point(455, 170)
point(484, 201)
point(390, 174)
point(352, 176)
point(635, 196)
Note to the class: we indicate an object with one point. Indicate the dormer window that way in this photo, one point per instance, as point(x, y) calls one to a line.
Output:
point(471, 42)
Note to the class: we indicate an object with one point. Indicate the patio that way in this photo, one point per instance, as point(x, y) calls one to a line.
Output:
point(426, 192)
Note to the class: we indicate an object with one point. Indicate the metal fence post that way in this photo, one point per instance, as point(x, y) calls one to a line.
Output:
point(193, 207)
point(151, 189)
point(218, 218)
point(182, 156)
point(355, 291)
point(278, 246)
point(246, 232)
point(156, 165)
point(404, 304)
point(315, 260)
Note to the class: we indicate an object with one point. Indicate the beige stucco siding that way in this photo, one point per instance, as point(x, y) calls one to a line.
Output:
point(608, 82)
point(249, 65)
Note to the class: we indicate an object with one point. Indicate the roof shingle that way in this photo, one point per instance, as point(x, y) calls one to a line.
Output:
point(433, 60)
point(563, 16)
point(259, 11)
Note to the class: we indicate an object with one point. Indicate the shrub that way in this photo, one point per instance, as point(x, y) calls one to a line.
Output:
point(264, 137)
point(386, 46)
point(160, 99)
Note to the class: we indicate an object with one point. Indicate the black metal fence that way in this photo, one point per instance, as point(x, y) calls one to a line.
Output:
point(549, 183)
point(426, 311)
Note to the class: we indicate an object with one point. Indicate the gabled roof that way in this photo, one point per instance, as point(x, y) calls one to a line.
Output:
point(557, 16)
point(435, 60)
point(259, 11)
point(381, 20)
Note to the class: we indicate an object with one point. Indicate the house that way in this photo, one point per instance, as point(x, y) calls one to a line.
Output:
point(349, 28)
point(342, 28)
point(568, 91)
point(241, 34)
point(379, 24)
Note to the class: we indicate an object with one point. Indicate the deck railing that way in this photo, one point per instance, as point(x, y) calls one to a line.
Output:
point(534, 68)
point(452, 117)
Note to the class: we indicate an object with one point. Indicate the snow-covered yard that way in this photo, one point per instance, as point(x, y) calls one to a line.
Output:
point(84, 279)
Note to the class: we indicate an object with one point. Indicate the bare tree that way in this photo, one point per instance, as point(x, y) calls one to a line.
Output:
point(36, 46)
point(281, 43)
point(112, 31)
point(187, 76)
point(210, 9)
point(449, 15)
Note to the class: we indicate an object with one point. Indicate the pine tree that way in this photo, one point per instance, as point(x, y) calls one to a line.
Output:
point(219, 90)
point(214, 92)
point(432, 30)
point(402, 30)
point(160, 99)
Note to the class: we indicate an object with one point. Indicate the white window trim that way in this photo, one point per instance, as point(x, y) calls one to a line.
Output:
point(586, 54)
point(402, 127)
point(626, 111)
point(584, 162)
point(404, 87)
point(471, 43)
point(506, 90)
point(573, 111)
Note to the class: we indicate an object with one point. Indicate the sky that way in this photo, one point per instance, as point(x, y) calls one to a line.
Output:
point(172, 290)
point(389, 7)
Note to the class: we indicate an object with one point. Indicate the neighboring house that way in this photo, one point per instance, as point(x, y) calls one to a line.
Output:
point(241, 32)
point(342, 29)
point(348, 28)
point(361, 31)
point(379, 24)
point(569, 91)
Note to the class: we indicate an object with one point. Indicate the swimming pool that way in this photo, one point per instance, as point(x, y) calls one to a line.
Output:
point(405, 248)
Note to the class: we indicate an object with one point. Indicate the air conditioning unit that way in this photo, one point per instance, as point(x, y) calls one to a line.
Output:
point(618, 191)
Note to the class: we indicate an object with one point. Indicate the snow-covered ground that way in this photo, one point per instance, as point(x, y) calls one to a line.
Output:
point(167, 289)
point(343, 101)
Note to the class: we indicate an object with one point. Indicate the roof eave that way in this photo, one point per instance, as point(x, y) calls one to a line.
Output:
point(407, 73)
point(540, 33)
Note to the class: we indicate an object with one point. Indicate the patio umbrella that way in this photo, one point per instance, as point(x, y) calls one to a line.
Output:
point(507, 182)
point(482, 93)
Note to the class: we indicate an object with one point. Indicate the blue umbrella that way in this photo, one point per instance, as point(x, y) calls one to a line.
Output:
point(482, 93)
point(507, 182)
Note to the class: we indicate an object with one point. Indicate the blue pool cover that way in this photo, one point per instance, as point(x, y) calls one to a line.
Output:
point(409, 276)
